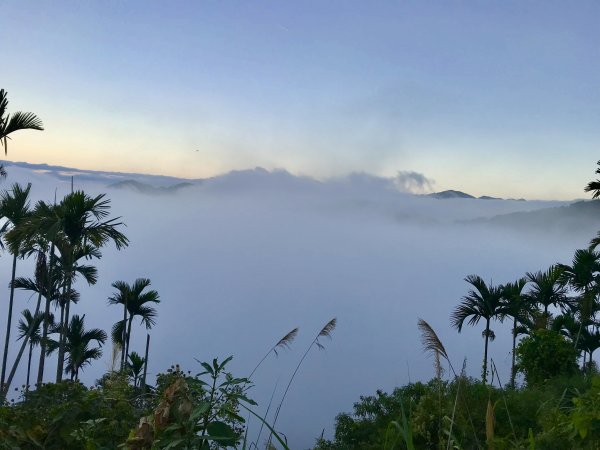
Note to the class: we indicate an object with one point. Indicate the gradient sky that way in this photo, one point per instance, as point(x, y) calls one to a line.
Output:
point(490, 98)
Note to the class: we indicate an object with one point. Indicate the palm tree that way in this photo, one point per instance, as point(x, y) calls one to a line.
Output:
point(77, 345)
point(547, 288)
point(36, 286)
point(30, 328)
point(18, 121)
point(14, 206)
point(83, 230)
point(589, 342)
point(38, 233)
point(135, 366)
point(582, 277)
point(136, 303)
point(594, 186)
point(482, 302)
point(517, 306)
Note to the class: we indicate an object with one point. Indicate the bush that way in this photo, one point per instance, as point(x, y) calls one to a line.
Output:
point(545, 354)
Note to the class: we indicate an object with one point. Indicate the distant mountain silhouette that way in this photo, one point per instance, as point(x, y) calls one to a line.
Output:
point(487, 197)
point(96, 176)
point(148, 189)
point(450, 194)
point(459, 194)
point(578, 215)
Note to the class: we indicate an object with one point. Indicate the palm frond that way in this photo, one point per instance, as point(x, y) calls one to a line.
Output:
point(23, 121)
point(117, 332)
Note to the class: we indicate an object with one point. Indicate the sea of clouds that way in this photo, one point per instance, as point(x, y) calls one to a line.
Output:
point(239, 260)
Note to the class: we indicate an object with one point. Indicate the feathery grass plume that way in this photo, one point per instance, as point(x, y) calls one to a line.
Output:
point(325, 332)
point(432, 345)
point(283, 343)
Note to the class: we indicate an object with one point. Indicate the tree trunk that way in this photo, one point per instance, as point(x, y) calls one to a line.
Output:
point(124, 337)
point(21, 350)
point(513, 373)
point(143, 383)
point(29, 365)
point(128, 337)
point(485, 353)
point(40, 376)
point(65, 327)
point(8, 322)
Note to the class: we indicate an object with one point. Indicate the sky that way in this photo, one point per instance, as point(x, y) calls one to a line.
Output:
point(242, 259)
point(490, 98)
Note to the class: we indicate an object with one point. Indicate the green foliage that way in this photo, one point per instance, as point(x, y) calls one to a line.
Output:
point(563, 413)
point(67, 415)
point(585, 415)
point(201, 411)
point(545, 354)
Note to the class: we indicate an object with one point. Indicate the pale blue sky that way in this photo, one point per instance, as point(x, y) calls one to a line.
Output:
point(491, 98)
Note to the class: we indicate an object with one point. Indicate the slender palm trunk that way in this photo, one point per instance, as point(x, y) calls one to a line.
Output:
point(128, 336)
point(590, 362)
point(485, 353)
point(22, 349)
point(9, 320)
point(124, 336)
point(585, 294)
point(29, 365)
point(514, 344)
point(61, 329)
point(40, 377)
point(143, 383)
point(61, 350)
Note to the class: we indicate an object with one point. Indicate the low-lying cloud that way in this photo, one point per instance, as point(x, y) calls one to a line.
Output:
point(240, 260)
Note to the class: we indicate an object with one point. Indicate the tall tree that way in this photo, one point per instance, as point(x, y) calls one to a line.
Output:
point(517, 306)
point(18, 121)
point(594, 188)
point(40, 273)
point(547, 288)
point(38, 233)
point(84, 229)
point(137, 303)
point(589, 342)
point(582, 276)
point(135, 366)
point(30, 328)
point(482, 302)
point(77, 344)
point(14, 207)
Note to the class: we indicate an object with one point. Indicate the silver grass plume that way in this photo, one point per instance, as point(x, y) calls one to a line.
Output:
point(432, 345)
point(325, 332)
point(283, 343)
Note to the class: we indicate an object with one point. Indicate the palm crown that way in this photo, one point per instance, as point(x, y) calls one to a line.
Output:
point(15, 122)
point(482, 302)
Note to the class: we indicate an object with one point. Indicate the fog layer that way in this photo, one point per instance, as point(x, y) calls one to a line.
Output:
point(241, 259)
